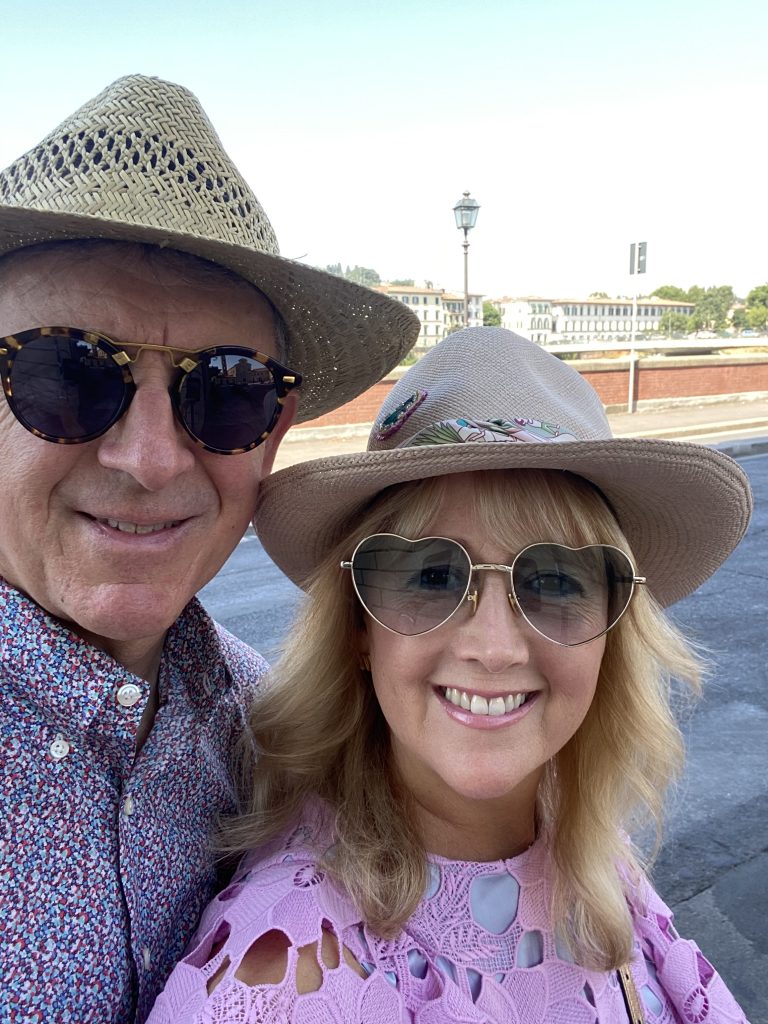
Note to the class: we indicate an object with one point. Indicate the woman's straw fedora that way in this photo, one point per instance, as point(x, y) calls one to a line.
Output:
point(142, 162)
point(485, 398)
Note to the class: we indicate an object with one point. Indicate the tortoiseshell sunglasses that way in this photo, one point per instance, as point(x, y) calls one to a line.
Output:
point(70, 386)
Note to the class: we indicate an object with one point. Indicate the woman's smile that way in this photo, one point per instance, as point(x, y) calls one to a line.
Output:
point(484, 710)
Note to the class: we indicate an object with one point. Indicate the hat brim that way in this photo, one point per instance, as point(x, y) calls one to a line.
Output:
point(342, 337)
point(682, 506)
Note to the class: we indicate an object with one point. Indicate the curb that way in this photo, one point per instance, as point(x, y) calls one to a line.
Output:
point(742, 448)
point(695, 429)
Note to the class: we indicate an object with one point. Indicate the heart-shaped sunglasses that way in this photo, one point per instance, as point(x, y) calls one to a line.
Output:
point(568, 595)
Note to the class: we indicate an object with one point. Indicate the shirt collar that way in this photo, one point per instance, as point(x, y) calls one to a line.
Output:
point(71, 682)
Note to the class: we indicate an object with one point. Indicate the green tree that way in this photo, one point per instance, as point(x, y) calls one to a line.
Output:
point(491, 315)
point(671, 291)
point(673, 324)
point(359, 275)
point(757, 308)
point(739, 319)
point(598, 295)
point(757, 317)
point(362, 275)
point(758, 297)
point(720, 300)
point(711, 306)
point(403, 282)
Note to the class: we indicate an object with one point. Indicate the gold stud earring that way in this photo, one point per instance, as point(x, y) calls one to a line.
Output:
point(365, 662)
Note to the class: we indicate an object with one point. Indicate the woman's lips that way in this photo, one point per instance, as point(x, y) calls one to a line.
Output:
point(485, 710)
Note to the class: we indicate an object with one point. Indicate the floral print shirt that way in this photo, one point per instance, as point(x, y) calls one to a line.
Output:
point(105, 863)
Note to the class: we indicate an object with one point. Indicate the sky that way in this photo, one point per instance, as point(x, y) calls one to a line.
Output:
point(579, 126)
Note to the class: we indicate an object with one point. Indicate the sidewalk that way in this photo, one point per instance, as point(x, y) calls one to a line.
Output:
point(735, 426)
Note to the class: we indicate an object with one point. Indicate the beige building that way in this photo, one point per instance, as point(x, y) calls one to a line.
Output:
point(440, 312)
point(608, 319)
point(530, 316)
point(582, 320)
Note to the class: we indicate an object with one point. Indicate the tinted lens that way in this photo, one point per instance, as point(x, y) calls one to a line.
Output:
point(66, 388)
point(410, 586)
point(572, 596)
point(229, 400)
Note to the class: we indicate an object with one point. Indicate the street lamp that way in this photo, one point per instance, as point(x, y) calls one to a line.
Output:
point(465, 212)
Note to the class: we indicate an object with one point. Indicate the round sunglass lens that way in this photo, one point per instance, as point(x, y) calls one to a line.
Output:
point(229, 400)
point(410, 586)
point(66, 388)
point(572, 596)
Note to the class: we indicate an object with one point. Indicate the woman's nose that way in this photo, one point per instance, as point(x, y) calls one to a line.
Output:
point(495, 634)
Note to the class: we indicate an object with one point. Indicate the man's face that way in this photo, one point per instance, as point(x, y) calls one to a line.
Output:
point(57, 501)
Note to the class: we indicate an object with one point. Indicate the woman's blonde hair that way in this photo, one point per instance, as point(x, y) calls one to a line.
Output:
point(319, 729)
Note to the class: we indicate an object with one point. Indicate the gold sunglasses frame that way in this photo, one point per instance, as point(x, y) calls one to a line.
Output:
point(472, 596)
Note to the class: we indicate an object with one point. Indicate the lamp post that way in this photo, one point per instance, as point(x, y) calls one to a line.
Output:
point(465, 212)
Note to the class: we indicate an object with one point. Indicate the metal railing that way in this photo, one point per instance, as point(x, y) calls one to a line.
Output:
point(656, 345)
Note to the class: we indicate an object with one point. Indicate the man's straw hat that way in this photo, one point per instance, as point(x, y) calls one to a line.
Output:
point(141, 162)
point(486, 398)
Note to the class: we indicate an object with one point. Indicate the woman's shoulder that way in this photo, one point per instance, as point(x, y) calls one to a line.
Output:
point(676, 972)
point(278, 882)
point(274, 937)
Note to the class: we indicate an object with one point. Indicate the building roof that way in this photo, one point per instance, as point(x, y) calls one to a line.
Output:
point(406, 289)
point(642, 300)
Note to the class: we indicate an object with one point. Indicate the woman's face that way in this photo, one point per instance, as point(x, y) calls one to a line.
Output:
point(447, 755)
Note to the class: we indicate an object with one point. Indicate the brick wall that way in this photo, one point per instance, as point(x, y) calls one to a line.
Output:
point(362, 409)
point(678, 377)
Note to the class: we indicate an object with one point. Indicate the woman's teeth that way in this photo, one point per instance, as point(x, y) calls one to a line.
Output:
point(477, 705)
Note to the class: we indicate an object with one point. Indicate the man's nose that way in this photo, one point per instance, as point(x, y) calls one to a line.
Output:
point(148, 442)
point(495, 635)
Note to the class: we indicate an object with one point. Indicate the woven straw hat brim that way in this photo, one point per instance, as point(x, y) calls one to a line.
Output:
point(683, 507)
point(342, 337)
point(142, 162)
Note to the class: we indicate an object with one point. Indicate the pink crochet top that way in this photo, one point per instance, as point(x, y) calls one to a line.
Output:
point(478, 950)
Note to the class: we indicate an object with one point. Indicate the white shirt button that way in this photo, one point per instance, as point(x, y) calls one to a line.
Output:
point(128, 806)
point(146, 957)
point(59, 748)
point(128, 695)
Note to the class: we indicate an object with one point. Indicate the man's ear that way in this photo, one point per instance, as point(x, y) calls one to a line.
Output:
point(287, 416)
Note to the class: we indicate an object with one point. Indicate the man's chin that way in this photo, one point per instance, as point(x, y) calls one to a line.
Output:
point(124, 614)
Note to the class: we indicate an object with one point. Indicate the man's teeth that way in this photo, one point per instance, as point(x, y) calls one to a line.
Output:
point(478, 705)
point(118, 524)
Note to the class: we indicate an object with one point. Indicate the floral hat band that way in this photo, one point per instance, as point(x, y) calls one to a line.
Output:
point(481, 431)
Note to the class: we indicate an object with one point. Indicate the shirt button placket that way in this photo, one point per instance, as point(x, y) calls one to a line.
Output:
point(59, 748)
point(128, 695)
